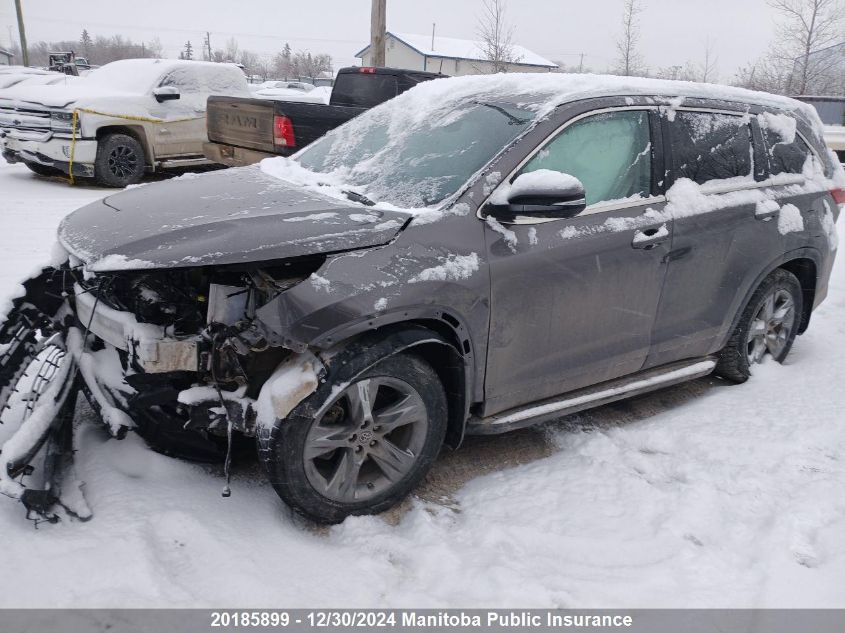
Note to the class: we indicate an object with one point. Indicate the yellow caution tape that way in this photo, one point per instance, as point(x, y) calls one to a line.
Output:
point(127, 117)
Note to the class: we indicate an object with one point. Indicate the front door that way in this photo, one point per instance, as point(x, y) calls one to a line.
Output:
point(573, 301)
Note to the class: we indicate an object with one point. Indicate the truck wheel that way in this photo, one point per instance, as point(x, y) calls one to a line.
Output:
point(120, 161)
point(360, 447)
point(768, 325)
point(43, 170)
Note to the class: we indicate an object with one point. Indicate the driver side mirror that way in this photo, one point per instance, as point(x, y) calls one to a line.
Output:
point(166, 93)
point(541, 194)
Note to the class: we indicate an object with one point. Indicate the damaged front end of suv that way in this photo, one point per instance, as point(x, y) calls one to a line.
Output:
point(176, 346)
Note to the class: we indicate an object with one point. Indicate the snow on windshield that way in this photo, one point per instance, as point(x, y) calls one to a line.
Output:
point(418, 149)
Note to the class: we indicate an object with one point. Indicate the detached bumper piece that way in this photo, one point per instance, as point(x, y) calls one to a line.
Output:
point(39, 384)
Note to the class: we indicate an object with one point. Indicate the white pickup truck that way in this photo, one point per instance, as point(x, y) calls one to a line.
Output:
point(119, 122)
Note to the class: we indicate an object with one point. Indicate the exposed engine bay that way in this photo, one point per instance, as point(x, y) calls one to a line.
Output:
point(177, 355)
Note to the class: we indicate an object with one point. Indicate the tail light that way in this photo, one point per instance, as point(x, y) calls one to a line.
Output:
point(367, 69)
point(283, 131)
point(838, 195)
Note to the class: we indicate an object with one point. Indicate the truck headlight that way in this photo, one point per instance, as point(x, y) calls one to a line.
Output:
point(62, 121)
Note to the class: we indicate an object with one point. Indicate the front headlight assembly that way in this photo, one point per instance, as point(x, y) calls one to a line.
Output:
point(62, 121)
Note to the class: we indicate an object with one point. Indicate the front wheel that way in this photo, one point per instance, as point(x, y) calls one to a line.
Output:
point(768, 325)
point(120, 161)
point(361, 447)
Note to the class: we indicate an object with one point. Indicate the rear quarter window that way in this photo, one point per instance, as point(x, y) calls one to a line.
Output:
point(787, 152)
point(710, 146)
point(363, 90)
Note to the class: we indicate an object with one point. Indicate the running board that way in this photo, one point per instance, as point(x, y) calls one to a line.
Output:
point(183, 162)
point(575, 401)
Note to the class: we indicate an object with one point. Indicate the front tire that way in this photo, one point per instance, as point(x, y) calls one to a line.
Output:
point(768, 325)
point(120, 161)
point(359, 448)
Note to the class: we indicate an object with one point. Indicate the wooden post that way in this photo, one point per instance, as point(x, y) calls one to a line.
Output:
point(378, 29)
point(22, 33)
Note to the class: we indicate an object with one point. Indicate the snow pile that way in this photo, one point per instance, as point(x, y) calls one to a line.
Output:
point(507, 234)
point(453, 268)
point(829, 226)
point(790, 220)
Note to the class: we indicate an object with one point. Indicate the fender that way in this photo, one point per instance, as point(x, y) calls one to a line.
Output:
point(741, 301)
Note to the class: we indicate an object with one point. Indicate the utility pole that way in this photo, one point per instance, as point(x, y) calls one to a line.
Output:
point(22, 33)
point(378, 30)
point(433, 26)
point(208, 44)
point(581, 65)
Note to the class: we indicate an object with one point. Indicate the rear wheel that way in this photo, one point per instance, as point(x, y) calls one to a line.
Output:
point(120, 161)
point(768, 325)
point(369, 444)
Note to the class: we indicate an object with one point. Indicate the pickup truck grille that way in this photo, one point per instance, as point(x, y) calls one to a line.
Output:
point(26, 119)
point(241, 122)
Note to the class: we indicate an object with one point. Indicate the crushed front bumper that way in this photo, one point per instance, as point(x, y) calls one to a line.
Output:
point(51, 151)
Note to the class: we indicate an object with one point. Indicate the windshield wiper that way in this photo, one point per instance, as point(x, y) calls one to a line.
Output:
point(512, 120)
point(358, 197)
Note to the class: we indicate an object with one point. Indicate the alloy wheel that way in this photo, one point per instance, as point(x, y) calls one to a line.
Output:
point(122, 161)
point(367, 440)
point(771, 326)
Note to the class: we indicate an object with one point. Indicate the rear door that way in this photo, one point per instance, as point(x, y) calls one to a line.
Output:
point(723, 234)
point(573, 301)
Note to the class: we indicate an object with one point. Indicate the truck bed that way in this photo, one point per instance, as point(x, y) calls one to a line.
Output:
point(248, 123)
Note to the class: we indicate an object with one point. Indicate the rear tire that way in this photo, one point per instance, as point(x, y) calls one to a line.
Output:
point(768, 325)
point(330, 458)
point(120, 161)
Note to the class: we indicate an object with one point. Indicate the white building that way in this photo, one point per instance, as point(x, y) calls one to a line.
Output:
point(450, 56)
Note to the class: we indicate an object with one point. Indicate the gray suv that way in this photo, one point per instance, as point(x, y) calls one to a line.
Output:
point(474, 256)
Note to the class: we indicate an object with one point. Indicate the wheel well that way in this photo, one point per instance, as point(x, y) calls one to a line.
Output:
point(136, 132)
point(805, 270)
point(449, 363)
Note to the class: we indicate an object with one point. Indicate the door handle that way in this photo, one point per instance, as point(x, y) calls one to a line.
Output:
point(765, 216)
point(647, 239)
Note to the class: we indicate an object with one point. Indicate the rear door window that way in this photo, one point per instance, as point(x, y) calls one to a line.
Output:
point(709, 146)
point(787, 152)
point(609, 153)
point(363, 90)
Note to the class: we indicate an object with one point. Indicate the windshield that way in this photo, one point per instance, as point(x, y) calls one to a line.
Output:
point(405, 158)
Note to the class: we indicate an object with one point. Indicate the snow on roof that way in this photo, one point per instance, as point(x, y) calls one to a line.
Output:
point(455, 48)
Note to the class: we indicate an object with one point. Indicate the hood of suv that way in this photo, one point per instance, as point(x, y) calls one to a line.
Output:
point(228, 217)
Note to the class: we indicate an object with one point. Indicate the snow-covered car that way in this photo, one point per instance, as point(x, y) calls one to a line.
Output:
point(474, 256)
point(118, 122)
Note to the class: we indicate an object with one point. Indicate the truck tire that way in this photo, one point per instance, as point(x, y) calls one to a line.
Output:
point(358, 447)
point(120, 161)
point(768, 324)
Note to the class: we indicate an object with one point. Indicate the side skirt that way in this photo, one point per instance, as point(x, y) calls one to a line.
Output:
point(582, 399)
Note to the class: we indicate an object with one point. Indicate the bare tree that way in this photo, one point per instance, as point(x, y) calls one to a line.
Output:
point(807, 28)
point(709, 70)
point(496, 36)
point(630, 59)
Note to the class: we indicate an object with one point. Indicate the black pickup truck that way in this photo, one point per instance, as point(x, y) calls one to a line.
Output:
point(242, 131)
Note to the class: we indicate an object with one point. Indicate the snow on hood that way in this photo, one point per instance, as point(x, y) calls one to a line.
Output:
point(227, 217)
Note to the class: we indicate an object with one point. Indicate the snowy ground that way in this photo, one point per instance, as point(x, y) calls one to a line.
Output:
point(701, 495)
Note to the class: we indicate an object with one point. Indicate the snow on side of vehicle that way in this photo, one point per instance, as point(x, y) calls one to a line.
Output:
point(790, 220)
point(453, 268)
